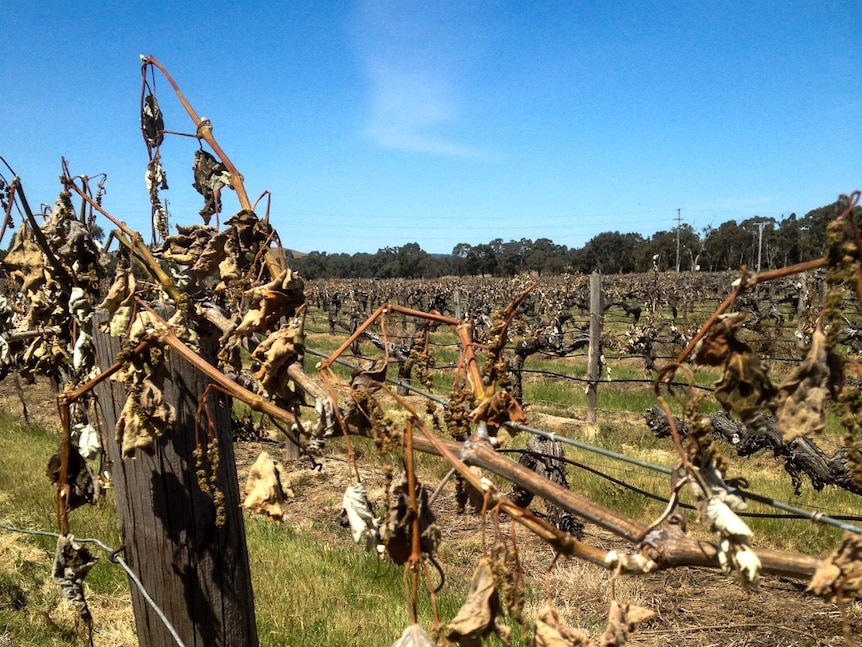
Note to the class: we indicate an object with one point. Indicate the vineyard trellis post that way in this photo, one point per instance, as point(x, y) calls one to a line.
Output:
point(594, 364)
point(196, 570)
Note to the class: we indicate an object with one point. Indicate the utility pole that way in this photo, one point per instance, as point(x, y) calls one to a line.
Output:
point(678, 221)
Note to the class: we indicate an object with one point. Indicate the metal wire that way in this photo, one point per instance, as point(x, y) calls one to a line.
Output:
point(115, 558)
point(817, 517)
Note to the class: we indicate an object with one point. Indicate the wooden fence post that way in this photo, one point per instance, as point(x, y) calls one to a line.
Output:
point(594, 365)
point(196, 572)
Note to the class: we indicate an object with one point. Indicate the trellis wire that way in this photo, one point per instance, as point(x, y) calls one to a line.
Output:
point(657, 497)
point(114, 556)
point(816, 517)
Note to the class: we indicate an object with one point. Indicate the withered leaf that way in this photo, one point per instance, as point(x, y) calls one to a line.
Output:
point(83, 487)
point(801, 397)
point(72, 562)
point(414, 636)
point(276, 299)
point(263, 491)
point(720, 341)
point(839, 576)
point(370, 378)
point(551, 631)
point(622, 621)
point(498, 409)
point(480, 614)
point(396, 530)
point(363, 525)
point(152, 121)
point(119, 302)
point(144, 417)
point(274, 353)
point(210, 177)
point(25, 262)
point(745, 388)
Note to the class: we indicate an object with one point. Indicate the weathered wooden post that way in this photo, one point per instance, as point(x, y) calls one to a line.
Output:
point(196, 571)
point(594, 364)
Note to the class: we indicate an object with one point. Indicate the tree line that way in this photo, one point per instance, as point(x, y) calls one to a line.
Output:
point(757, 241)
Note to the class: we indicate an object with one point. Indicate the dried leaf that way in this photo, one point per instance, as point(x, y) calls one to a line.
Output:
point(363, 524)
point(275, 353)
point(182, 327)
point(801, 397)
point(210, 177)
point(371, 378)
point(263, 491)
point(396, 530)
point(83, 486)
point(152, 122)
point(89, 444)
point(745, 387)
point(498, 409)
point(551, 631)
point(276, 299)
point(720, 341)
point(414, 636)
point(121, 288)
point(25, 262)
point(144, 417)
point(72, 562)
point(622, 621)
point(724, 520)
point(839, 576)
point(480, 614)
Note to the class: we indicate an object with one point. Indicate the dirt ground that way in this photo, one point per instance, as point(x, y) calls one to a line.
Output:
point(693, 607)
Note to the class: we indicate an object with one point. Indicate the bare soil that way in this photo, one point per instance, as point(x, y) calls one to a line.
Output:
point(693, 607)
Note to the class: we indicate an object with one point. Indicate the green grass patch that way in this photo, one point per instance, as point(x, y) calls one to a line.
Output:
point(335, 593)
point(31, 608)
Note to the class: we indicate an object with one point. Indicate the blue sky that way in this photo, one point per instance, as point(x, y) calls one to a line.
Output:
point(378, 123)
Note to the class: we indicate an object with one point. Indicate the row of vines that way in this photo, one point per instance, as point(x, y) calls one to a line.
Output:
point(223, 286)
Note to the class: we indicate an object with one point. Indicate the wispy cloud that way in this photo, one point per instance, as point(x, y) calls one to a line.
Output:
point(411, 61)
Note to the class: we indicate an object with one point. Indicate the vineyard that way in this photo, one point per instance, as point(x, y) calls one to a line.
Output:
point(569, 460)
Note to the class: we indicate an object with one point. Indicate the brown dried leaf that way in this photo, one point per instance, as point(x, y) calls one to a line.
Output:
point(228, 268)
point(274, 353)
point(622, 621)
point(801, 397)
point(144, 417)
point(414, 636)
point(551, 631)
point(263, 491)
point(276, 299)
point(839, 576)
point(130, 431)
point(83, 486)
point(720, 341)
point(72, 562)
point(479, 615)
point(119, 302)
point(745, 388)
point(396, 530)
point(498, 409)
point(25, 262)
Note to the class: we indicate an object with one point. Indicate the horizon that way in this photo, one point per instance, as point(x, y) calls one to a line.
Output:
point(379, 123)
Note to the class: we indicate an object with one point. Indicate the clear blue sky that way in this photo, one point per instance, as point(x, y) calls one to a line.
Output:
point(378, 123)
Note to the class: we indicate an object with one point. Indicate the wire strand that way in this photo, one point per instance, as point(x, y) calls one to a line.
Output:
point(115, 558)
